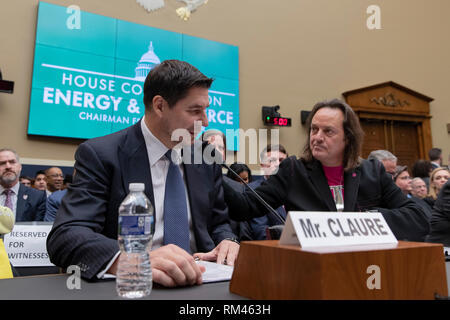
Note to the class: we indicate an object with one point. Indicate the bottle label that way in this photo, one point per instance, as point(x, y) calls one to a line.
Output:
point(135, 225)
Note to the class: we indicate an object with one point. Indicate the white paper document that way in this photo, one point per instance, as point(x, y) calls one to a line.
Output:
point(216, 272)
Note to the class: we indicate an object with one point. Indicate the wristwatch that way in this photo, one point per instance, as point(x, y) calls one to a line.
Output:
point(235, 240)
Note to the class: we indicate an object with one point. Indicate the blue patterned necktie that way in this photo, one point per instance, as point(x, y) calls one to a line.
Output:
point(176, 226)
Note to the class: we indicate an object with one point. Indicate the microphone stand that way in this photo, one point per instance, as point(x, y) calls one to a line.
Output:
point(261, 200)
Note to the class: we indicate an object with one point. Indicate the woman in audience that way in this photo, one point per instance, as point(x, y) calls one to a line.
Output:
point(438, 178)
point(242, 170)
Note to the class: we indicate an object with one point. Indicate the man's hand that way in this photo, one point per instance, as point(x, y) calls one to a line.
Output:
point(171, 267)
point(225, 253)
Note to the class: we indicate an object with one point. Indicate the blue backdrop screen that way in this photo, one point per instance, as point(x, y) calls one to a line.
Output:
point(89, 79)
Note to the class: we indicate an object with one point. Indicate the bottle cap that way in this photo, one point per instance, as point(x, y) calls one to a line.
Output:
point(137, 187)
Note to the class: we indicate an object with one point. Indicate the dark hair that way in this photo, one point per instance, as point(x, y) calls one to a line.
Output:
point(238, 168)
point(172, 79)
point(40, 172)
point(422, 168)
point(434, 154)
point(272, 147)
point(354, 134)
point(399, 170)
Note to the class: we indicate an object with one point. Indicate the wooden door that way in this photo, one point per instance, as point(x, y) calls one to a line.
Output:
point(399, 137)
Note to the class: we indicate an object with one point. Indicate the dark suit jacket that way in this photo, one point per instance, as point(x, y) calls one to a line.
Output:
point(302, 186)
point(435, 166)
point(240, 228)
point(85, 229)
point(440, 219)
point(30, 204)
point(260, 224)
point(53, 203)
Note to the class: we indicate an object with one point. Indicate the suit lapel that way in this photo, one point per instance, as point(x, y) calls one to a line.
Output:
point(21, 203)
point(133, 158)
point(318, 179)
point(351, 186)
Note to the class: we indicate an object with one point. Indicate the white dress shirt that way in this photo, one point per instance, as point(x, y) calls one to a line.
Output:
point(14, 195)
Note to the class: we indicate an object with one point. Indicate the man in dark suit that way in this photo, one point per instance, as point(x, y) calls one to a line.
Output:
point(85, 229)
point(329, 166)
point(27, 204)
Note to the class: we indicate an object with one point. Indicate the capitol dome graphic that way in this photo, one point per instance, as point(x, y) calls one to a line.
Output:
point(147, 62)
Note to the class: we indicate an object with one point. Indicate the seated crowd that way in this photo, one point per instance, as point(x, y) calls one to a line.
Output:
point(423, 185)
point(330, 175)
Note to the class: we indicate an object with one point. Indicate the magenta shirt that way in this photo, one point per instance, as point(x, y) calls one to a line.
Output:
point(335, 177)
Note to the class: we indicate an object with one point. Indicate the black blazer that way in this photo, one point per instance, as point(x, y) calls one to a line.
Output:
point(30, 204)
point(85, 229)
point(302, 186)
point(440, 218)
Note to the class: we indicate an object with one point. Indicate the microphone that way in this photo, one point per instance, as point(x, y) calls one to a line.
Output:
point(6, 220)
point(260, 199)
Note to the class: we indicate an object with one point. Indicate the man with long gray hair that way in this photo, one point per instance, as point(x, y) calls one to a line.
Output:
point(330, 164)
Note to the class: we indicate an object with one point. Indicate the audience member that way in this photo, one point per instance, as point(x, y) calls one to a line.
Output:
point(217, 139)
point(67, 180)
point(438, 178)
point(435, 155)
point(55, 179)
point(330, 164)
point(54, 200)
point(40, 182)
point(418, 188)
point(26, 203)
point(388, 160)
point(270, 159)
point(53, 204)
point(242, 170)
point(85, 229)
point(440, 219)
point(26, 181)
point(403, 180)
point(422, 169)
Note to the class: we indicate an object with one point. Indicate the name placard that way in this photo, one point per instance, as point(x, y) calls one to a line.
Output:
point(26, 246)
point(319, 229)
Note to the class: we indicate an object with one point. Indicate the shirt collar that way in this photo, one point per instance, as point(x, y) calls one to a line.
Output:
point(158, 149)
point(15, 188)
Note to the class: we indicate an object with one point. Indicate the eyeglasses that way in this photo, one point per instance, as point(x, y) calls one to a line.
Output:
point(56, 175)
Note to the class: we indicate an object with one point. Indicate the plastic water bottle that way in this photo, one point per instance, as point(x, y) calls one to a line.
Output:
point(136, 227)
